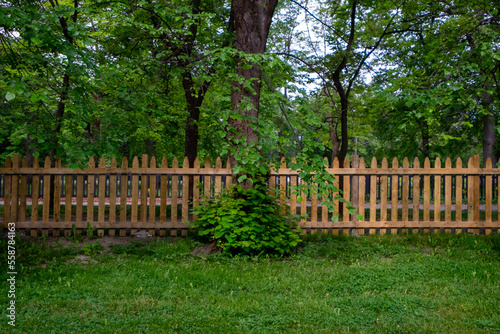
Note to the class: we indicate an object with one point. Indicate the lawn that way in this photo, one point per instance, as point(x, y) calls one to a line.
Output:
point(333, 284)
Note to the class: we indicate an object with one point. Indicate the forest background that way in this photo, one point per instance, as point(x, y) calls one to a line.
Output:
point(329, 79)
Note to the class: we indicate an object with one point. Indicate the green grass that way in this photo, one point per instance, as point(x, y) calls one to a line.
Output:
point(332, 284)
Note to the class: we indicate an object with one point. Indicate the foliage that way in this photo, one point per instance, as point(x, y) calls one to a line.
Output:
point(247, 221)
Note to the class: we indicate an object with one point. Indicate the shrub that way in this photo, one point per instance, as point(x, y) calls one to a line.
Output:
point(247, 221)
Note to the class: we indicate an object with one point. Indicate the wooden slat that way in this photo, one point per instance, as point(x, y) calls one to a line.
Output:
point(163, 192)
point(373, 192)
point(144, 190)
point(102, 192)
point(476, 191)
point(23, 193)
point(175, 192)
point(229, 178)
point(335, 195)
point(447, 192)
point(68, 197)
point(7, 195)
point(470, 192)
point(383, 192)
point(427, 190)
point(57, 197)
point(293, 195)
point(314, 204)
point(79, 198)
point(207, 179)
point(346, 190)
point(90, 192)
point(283, 187)
point(46, 192)
point(16, 162)
point(123, 192)
point(416, 192)
point(405, 190)
point(135, 192)
point(394, 193)
point(34, 194)
point(112, 194)
point(488, 195)
point(361, 196)
point(459, 193)
point(437, 192)
point(303, 203)
point(185, 188)
point(152, 193)
point(196, 188)
point(218, 178)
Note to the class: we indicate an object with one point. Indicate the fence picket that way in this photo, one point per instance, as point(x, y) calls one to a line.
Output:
point(488, 195)
point(185, 189)
point(175, 191)
point(135, 191)
point(79, 198)
point(102, 194)
point(427, 190)
point(458, 194)
point(346, 190)
point(394, 194)
point(361, 197)
point(7, 194)
point(152, 193)
point(112, 197)
point(23, 192)
point(46, 194)
point(373, 192)
point(405, 191)
point(293, 196)
point(35, 191)
point(163, 192)
point(416, 193)
point(447, 192)
point(90, 192)
point(15, 190)
point(196, 189)
point(437, 192)
point(144, 189)
point(123, 194)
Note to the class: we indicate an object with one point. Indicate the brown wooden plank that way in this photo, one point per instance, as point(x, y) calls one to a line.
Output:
point(427, 190)
point(152, 193)
point(163, 192)
point(46, 192)
point(488, 195)
point(135, 192)
point(229, 177)
point(405, 191)
point(383, 192)
point(282, 179)
point(470, 192)
point(79, 198)
point(112, 193)
point(67, 199)
point(314, 204)
point(144, 189)
point(335, 195)
point(102, 192)
point(437, 192)
point(23, 193)
point(90, 192)
point(355, 188)
point(175, 192)
point(361, 196)
point(459, 193)
point(207, 182)
point(218, 178)
point(476, 191)
point(57, 197)
point(293, 195)
point(303, 203)
point(123, 192)
point(196, 187)
point(185, 188)
point(14, 214)
point(346, 190)
point(416, 192)
point(394, 191)
point(35, 192)
point(373, 192)
point(7, 216)
point(447, 192)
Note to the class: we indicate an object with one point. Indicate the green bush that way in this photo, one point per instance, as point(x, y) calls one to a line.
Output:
point(247, 221)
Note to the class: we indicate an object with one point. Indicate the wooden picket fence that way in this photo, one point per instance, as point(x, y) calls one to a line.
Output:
point(121, 200)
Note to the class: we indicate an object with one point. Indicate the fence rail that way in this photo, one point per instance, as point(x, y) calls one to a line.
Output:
point(156, 198)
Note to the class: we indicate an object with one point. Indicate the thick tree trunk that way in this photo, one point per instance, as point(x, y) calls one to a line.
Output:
point(252, 22)
point(489, 133)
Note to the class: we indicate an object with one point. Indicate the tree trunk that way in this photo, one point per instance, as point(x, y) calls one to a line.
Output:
point(489, 134)
point(252, 22)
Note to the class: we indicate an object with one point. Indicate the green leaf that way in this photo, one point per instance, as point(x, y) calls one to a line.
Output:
point(10, 96)
point(299, 199)
point(242, 178)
